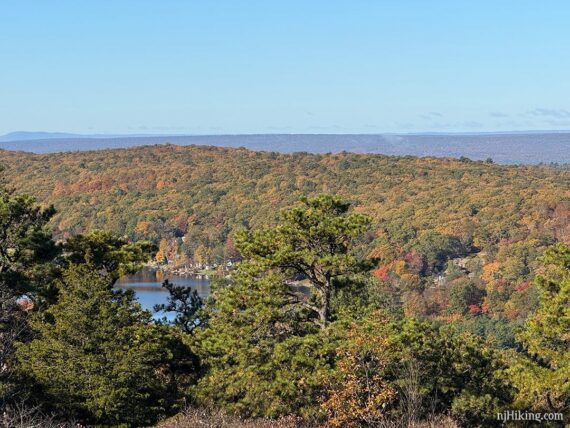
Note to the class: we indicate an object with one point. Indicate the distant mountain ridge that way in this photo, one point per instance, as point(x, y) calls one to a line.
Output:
point(507, 148)
point(31, 136)
point(27, 135)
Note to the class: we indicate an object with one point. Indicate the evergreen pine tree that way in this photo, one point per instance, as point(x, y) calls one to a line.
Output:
point(97, 356)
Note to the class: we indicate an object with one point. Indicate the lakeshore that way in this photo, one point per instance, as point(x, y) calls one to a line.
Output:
point(147, 285)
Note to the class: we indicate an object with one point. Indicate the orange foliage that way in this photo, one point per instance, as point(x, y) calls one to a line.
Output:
point(489, 271)
point(382, 273)
point(359, 393)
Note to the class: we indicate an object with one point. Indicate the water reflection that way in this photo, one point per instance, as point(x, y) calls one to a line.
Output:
point(147, 285)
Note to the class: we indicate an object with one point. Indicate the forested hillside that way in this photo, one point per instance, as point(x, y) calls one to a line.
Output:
point(453, 236)
point(435, 287)
point(206, 192)
point(75, 350)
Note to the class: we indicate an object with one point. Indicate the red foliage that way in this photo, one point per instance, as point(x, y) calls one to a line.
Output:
point(413, 261)
point(522, 287)
point(382, 273)
point(475, 309)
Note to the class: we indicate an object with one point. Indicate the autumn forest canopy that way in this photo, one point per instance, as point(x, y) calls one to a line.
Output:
point(367, 290)
point(481, 225)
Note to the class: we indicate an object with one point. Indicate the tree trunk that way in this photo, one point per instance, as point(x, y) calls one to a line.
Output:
point(325, 302)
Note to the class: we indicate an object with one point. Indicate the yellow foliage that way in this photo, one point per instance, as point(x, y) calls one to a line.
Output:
point(359, 393)
point(490, 271)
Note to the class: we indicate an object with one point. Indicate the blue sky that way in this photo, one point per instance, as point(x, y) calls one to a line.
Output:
point(211, 67)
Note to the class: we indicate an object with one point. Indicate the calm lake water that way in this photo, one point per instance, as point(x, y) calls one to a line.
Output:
point(147, 285)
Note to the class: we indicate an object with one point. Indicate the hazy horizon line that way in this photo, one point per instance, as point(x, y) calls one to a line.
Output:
point(65, 134)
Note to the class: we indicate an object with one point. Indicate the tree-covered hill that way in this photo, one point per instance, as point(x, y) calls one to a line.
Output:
point(497, 219)
point(437, 291)
point(493, 220)
point(206, 192)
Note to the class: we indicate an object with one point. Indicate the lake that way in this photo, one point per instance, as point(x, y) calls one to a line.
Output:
point(147, 285)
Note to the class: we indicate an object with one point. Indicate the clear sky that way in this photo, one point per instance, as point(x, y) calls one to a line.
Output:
point(284, 66)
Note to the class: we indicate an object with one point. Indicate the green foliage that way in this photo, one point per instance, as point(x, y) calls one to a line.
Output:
point(97, 357)
point(542, 377)
point(26, 253)
point(106, 253)
point(497, 332)
point(462, 294)
point(260, 355)
point(453, 371)
point(437, 249)
point(263, 356)
point(422, 369)
point(314, 242)
point(26, 245)
point(186, 305)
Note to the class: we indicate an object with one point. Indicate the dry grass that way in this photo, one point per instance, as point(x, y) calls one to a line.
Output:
point(435, 422)
point(201, 418)
point(20, 415)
